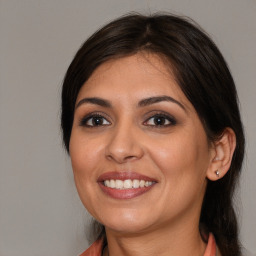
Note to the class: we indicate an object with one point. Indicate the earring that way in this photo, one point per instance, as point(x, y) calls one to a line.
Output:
point(217, 173)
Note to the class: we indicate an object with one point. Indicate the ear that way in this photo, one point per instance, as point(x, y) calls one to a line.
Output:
point(222, 153)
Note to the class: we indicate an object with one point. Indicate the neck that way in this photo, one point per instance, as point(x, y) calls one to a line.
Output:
point(162, 242)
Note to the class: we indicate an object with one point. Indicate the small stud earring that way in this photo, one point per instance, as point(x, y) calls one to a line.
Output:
point(217, 173)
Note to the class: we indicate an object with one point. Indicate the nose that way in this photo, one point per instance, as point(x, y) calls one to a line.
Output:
point(124, 144)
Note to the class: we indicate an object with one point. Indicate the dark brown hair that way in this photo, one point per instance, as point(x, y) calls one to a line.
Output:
point(203, 76)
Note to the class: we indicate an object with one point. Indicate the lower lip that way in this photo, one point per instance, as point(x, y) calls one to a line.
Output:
point(124, 193)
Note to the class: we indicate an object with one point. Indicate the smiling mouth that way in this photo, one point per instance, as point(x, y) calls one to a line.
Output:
point(127, 184)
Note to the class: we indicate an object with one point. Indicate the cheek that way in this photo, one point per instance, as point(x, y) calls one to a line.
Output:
point(86, 184)
point(84, 154)
point(183, 163)
point(183, 156)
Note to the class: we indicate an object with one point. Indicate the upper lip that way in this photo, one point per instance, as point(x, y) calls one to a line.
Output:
point(124, 175)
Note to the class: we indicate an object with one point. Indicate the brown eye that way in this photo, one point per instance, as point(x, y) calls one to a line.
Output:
point(160, 120)
point(94, 121)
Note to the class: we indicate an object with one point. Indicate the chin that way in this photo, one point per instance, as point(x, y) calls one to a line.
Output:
point(128, 223)
point(127, 228)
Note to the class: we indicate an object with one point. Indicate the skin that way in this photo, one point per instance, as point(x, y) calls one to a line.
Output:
point(176, 154)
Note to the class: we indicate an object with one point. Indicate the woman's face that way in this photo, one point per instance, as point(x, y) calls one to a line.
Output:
point(138, 149)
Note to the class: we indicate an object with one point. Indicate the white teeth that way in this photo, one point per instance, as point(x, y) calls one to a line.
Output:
point(136, 184)
point(142, 183)
point(107, 183)
point(112, 184)
point(148, 183)
point(119, 184)
point(127, 184)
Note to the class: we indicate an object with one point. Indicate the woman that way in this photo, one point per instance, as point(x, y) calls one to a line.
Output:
point(151, 122)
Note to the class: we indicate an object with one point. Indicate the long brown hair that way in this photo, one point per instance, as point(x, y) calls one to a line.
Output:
point(203, 76)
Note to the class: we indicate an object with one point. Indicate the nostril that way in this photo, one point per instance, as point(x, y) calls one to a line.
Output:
point(120, 159)
point(122, 148)
point(130, 157)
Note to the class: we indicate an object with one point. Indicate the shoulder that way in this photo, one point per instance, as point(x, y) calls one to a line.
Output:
point(247, 253)
point(211, 246)
point(95, 249)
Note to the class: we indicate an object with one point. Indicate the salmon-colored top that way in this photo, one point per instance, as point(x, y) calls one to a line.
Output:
point(96, 248)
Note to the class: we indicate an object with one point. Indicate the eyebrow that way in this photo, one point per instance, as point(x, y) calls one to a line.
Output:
point(96, 101)
point(143, 103)
point(153, 100)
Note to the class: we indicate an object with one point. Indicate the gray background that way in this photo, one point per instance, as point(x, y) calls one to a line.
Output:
point(40, 213)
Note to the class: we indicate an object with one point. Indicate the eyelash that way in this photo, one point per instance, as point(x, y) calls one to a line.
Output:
point(84, 121)
point(172, 121)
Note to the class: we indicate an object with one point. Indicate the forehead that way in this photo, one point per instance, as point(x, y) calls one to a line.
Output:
point(134, 77)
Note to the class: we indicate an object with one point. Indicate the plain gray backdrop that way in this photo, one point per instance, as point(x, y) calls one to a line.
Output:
point(40, 212)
